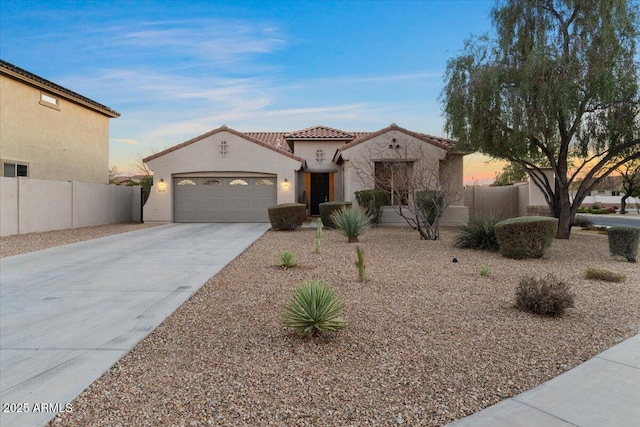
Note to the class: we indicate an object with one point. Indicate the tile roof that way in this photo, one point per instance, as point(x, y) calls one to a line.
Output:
point(30, 78)
point(320, 132)
point(268, 140)
point(278, 140)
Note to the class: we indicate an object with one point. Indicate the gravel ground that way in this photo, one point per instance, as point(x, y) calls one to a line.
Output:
point(429, 340)
point(23, 243)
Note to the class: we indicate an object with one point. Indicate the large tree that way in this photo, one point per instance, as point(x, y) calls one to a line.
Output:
point(630, 183)
point(557, 86)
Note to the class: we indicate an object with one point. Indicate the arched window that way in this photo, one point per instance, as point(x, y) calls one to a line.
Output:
point(212, 182)
point(186, 182)
point(264, 182)
point(238, 182)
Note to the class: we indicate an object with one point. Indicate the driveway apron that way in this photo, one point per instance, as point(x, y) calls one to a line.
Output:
point(67, 314)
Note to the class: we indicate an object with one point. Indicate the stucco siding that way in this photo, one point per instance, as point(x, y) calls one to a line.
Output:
point(204, 156)
point(69, 143)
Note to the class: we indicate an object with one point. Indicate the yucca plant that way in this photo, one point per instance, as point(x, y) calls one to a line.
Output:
point(484, 271)
point(314, 308)
point(287, 259)
point(479, 232)
point(351, 221)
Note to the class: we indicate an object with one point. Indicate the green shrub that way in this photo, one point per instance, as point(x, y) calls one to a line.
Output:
point(351, 221)
point(596, 205)
point(314, 309)
point(372, 201)
point(581, 221)
point(606, 275)
point(287, 216)
point(287, 259)
point(582, 210)
point(623, 241)
point(599, 211)
point(479, 233)
point(526, 237)
point(431, 203)
point(360, 263)
point(546, 296)
point(327, 208)
point(484, 271)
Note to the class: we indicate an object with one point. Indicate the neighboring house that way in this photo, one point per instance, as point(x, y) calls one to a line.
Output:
point(49, 132)
point(230, 176)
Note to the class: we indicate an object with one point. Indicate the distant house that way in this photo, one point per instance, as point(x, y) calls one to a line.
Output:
point(50, 132)
point(229, 176)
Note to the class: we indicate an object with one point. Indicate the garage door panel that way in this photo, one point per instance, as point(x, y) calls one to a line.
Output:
point(241, 199)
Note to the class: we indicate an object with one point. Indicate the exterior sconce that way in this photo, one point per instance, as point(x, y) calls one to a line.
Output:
point(223, 148)
point(285, 183)
point(162, 186)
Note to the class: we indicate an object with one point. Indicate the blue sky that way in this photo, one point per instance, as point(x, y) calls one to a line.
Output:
point(177, 69)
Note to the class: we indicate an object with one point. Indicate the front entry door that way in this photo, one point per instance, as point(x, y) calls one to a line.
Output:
point(319, 191)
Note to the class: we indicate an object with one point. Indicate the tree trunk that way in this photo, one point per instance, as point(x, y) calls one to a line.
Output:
point(563, 212)
point(623, 204)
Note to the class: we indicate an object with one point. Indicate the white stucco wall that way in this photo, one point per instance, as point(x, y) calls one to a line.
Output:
point(204, 156)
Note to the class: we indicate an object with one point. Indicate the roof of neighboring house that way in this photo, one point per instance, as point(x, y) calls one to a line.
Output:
point(39, 82)
point(284, 150)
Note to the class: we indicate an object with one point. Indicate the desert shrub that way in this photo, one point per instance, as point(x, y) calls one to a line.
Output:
point(479, 233)
point(431, 203)
point(546, 296)
point(581, 221)
point(287, 259)
point(599, 211)
point(372, 201)
point(611, 210)
point(327, 208)
point(351, 221)
point(484, 271)
point(526, 237)
point(582, 210)
point(287, 216)
point(596, 205)
point(314, 308)
point(623, 241)
point(606, 275)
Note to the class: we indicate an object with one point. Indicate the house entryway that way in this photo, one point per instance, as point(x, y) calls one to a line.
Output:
point(319, 191)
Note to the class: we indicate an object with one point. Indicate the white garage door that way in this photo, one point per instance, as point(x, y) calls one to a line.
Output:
point(234, 199)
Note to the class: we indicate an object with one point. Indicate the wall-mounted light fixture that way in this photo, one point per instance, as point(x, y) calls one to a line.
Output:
point(162, 186)
point(285, 183)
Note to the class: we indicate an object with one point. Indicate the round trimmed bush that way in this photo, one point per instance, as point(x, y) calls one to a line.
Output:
point(287, 216)
point(327, 208)
point(526, 237)
point(623, 241)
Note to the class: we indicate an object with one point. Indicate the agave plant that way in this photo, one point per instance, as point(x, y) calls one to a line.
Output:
point(351, 221)
point(287, 259)
point(314, 309)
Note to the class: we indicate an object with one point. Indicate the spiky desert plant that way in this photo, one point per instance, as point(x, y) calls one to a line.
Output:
point(479, 232)
point(351, 221)
point(314, 308)
point(484, 271)
point(318, 234)
point(287, 259)
point(360, 263)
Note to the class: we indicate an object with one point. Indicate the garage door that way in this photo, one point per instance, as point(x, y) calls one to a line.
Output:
point(223, 199)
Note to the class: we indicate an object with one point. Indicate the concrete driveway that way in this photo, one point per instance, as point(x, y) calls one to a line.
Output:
point(67, 314)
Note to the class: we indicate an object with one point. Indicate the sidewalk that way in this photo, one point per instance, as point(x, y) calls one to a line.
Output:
point(603, 391)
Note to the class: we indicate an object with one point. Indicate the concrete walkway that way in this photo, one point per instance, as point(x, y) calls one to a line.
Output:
point(67, 314)
point(603, 391)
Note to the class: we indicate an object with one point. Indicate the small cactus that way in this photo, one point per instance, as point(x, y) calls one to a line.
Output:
point(360, 263)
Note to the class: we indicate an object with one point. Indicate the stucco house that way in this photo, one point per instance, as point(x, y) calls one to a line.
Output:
point(229, 176)
point(49, 132)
